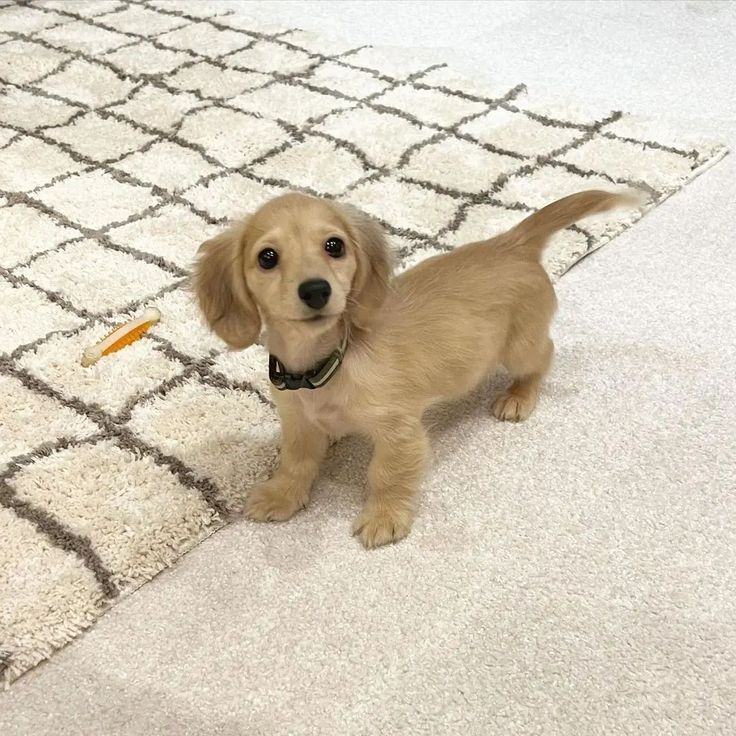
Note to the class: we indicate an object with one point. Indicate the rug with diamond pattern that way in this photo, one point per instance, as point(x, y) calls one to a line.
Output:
point(132, 131)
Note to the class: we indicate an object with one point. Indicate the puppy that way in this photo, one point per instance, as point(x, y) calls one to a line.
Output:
point(355, 351)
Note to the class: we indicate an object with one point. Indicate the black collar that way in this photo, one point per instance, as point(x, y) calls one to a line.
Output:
point(313, 378)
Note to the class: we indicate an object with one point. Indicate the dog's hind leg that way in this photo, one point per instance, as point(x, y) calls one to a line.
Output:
point(527, 363)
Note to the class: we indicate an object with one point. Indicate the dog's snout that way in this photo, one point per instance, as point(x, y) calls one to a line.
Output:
point(315, 293)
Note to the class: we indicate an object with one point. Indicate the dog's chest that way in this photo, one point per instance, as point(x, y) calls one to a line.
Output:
point(321, 408)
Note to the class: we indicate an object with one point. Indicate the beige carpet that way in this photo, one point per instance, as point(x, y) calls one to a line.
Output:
point(129, 132)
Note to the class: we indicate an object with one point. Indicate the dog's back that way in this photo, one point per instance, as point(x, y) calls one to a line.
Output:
point(486, 303)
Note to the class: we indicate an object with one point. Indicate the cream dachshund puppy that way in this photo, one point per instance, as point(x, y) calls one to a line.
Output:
point(353, 350)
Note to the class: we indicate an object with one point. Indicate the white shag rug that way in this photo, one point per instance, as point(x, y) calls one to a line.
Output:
point(132, 131)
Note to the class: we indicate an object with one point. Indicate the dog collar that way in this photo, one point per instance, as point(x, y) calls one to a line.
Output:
point(314, 378)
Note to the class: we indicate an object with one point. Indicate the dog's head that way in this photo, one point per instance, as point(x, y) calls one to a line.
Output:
point(300, 263)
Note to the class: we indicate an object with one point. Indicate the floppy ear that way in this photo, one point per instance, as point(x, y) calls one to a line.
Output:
point(219, 285)
point(375, 264)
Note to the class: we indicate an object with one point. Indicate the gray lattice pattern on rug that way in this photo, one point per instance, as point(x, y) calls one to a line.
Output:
point(129, 133)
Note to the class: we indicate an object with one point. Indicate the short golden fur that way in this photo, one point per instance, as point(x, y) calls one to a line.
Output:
point(432, 333)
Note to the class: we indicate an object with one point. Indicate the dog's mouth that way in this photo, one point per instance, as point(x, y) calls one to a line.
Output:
point(315, 318)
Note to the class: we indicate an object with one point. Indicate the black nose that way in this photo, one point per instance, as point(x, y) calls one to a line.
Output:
point(315, 293)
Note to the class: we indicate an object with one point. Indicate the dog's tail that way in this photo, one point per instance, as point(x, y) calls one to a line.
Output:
point(532, 234)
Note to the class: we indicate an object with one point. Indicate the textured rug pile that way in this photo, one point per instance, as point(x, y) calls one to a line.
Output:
point(129, 133)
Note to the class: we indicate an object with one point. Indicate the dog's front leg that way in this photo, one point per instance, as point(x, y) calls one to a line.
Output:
point(303, 447)
point(394, 475)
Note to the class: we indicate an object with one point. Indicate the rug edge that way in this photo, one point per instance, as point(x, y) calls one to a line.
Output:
point(12, 672)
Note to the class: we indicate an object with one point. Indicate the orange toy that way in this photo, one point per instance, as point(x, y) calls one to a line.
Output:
point(121, 336)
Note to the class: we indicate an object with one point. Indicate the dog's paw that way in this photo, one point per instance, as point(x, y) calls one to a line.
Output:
point(377, 526)
point(513, 408)
point(273, 501)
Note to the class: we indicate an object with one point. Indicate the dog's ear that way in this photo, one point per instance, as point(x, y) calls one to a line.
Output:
point(219, 284)
point(375, 265)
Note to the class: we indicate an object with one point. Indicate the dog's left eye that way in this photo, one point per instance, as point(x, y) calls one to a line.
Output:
point(268, 258)
point(335, 247)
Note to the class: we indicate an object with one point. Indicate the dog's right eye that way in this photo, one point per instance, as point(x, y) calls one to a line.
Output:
point(268, 258)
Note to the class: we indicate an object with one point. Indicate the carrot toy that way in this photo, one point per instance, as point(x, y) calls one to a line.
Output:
point(121, 336)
